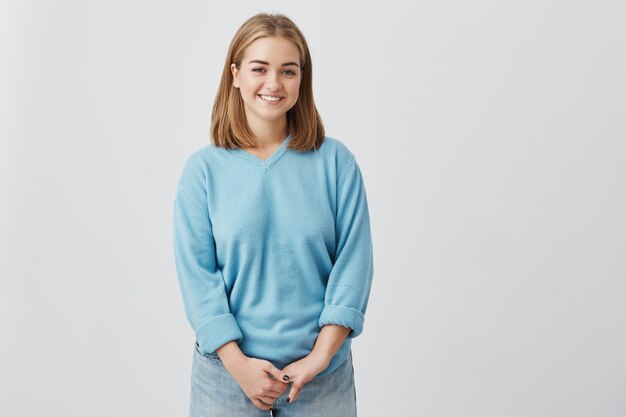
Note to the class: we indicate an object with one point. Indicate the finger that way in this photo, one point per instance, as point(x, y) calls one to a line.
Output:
point(295, 391)
point(276, 373)
point(267, 399)
point(278, 388)
point(260, 404)
point(278, 384)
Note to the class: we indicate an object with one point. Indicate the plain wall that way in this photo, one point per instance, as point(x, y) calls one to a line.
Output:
point(492, 140)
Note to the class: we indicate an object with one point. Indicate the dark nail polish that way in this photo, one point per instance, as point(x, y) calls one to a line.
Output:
point(286, 377)
point(288, 399)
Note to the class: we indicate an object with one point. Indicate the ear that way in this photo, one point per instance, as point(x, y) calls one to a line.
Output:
point(235, 72)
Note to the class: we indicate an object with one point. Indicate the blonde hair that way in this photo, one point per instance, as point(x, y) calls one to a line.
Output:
point(229, 127)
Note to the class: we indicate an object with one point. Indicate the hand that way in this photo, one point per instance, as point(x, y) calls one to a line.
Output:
point(261, 381)
point(304, 370)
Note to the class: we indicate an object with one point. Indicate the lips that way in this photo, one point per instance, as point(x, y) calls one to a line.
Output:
point(271, 102)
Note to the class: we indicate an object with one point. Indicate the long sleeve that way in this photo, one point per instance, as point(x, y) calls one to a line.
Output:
point(350, 279)
point(201, 282)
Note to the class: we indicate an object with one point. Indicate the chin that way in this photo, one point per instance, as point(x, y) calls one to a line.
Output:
point(275, 117)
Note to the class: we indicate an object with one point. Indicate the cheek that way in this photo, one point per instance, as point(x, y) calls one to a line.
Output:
point(294, 89)
point(250, 85)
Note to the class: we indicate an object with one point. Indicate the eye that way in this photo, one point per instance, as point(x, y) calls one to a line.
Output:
point(290, 72)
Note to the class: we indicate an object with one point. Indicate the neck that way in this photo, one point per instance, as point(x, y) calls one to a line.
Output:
point(268, 134)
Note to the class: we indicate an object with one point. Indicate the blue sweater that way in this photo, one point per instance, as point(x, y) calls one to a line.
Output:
point(269, 251)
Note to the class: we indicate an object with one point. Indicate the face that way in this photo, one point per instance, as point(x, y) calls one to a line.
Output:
point(270, 67)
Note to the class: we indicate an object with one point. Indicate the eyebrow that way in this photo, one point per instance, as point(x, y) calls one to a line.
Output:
point(258, 61)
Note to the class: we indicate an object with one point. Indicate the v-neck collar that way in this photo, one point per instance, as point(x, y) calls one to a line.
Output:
point(263, 163)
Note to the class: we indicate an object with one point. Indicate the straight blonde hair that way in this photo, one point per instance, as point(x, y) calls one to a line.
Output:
point(229, 127)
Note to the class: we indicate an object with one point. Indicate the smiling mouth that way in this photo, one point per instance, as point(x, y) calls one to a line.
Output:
point(270, 100)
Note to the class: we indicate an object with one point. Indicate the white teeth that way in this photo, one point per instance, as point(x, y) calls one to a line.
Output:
point(268, 98)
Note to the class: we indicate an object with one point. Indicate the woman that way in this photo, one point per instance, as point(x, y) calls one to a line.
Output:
point(272, 240)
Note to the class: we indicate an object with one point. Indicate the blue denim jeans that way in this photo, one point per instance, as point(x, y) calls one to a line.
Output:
point(215, 393)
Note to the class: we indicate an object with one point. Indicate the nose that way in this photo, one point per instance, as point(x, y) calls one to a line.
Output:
point(272, 83)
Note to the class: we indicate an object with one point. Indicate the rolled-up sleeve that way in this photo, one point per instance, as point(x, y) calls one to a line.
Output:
point(200, 280)
point(350, 279)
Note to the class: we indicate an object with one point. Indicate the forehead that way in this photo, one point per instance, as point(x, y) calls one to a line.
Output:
point(273, 50)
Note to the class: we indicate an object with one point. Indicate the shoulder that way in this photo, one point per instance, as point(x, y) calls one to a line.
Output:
point(336, 147)
point(194, 165)
point(340, 156)
point(205, 155)
point(202, 159)
point(196, 170)
point(338, 152)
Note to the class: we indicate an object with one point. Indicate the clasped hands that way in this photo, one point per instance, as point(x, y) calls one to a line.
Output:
point(262, 382)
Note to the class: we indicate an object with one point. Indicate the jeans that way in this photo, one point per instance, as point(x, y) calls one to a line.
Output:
point(215, 393)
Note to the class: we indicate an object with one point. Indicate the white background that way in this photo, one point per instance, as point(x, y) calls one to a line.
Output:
point(492, 140)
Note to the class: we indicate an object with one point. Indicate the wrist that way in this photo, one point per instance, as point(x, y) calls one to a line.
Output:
point(323, 355)
point(231, 355)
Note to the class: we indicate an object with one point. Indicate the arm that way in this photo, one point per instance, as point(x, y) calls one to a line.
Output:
point(201, 283)
point(329, 341)
point(231, 355)
point(350, 280)
point(204, 290)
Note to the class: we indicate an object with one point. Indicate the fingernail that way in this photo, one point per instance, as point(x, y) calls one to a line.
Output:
point(288, 399)
point(286, 377)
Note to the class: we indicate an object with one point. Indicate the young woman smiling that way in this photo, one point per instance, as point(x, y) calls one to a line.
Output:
point(272, 240)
